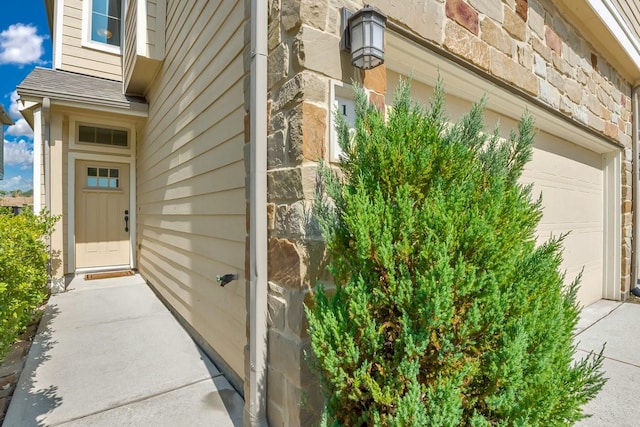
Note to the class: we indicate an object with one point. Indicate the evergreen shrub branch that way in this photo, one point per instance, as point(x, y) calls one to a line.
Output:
point(445, 311)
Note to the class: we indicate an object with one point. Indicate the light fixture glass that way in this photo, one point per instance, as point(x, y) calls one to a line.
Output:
point(366, 34)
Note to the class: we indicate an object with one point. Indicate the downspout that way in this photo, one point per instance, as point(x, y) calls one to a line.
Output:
point(46, 143)
point(258, 216)
point(635, 290)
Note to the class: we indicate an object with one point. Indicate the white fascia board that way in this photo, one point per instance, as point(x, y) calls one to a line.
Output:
point(610, 16)
point(58, 15)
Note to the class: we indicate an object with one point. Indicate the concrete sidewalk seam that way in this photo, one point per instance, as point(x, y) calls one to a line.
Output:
point(121, 319)
point(598, 321)
point(133, 401)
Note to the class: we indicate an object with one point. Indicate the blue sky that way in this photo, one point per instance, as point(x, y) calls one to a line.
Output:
point(24, 44)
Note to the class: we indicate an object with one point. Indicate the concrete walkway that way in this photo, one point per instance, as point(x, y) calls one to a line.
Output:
point(108, 353)
point(615, 324)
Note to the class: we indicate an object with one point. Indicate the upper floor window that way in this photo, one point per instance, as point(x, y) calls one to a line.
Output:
point(106, 21)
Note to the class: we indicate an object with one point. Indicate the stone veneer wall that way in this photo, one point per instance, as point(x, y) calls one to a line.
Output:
point(527, 44)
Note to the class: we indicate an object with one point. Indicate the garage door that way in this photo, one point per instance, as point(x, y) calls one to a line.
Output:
point(571, 181)
point(570, 178)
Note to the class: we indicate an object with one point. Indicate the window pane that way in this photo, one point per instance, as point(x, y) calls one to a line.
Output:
point(103, 172)
point(120, 138)
point(113, 28)
point(99, 6)
point(103, 136)
point(92, 182)
point(114, 8)
point(92, 171)
point(99, 31)
point(86, 134)
point(113, 173)
point(113, 182)
point(103, 182)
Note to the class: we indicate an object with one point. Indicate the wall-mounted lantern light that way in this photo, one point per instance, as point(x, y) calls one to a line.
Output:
point(363, 36)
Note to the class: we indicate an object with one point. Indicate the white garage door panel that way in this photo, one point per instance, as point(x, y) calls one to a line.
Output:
point(570, 179)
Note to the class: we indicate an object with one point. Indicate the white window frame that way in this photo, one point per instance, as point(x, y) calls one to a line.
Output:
point(337, 90)
point(87, 7)
point(75, 144)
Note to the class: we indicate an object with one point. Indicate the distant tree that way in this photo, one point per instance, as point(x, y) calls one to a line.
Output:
point(445, 311)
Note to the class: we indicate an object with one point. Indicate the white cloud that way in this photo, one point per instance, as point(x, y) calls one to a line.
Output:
point(20, 44)
point(18, 153)
point(21, 127)
point(16, 183)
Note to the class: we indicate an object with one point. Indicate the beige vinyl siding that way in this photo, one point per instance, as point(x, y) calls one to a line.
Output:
point(630, 11)
point(82, 59)
point(191, 176)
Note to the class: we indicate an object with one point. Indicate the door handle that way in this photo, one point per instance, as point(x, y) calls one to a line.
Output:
point(126, 221)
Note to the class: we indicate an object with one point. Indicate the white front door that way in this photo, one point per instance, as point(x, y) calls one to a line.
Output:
point(102, 214)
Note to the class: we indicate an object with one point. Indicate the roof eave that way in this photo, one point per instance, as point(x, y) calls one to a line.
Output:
point(57, 98)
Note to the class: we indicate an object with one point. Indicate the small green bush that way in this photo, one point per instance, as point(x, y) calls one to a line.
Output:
point(445, 310)
point(23, 270)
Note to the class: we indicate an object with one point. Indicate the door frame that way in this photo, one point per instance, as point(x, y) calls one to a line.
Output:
point(71, 191)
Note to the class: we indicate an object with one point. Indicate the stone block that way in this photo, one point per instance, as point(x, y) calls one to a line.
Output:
point(463, 14)
point(507, 69)
point(271, 216)
point(318, 51)
point(496, 36)
point(522, 9)
point(295, 220)
point(539, 65)
point(275, 417)
point(525, 56)
point(541, 48)
point(556, 79)
point(309, 173)
point(298, 12)
point(595, 122)
point(278, 64)
point(305, 85)
point(304, 406)
point(611, 130)
point(514, 24)
point(563, 66)
point(553, 40)
point(284, 184)
point(276, 155)
point(296, 315)
point(566, 107)
point(285, 354)
point(285, 263)
point(277, 309)
point(490, 8)
point(549, 94)
point(536, 18)
point(375, 79)
point(465, 45)
point(307, 132)
point(425, 18)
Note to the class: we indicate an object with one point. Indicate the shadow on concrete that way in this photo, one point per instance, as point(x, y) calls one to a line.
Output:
point(29, 403)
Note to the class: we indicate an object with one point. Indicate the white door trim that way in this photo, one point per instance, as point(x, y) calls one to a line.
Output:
point(71, 183)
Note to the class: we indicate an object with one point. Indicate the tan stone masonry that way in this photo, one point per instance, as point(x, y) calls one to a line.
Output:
point(525, 43)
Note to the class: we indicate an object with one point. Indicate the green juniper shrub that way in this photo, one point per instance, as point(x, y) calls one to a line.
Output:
point(445, 311)
point(23, 270)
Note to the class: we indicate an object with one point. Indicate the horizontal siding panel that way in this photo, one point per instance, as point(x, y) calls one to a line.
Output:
point(192, 159)
point(221, 256)
point(191, 174)
point(230, 202)
point(227, 227)
point(194, 74)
